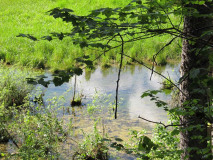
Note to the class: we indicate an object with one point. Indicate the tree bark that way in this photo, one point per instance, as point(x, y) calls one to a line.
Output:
point(194, 60)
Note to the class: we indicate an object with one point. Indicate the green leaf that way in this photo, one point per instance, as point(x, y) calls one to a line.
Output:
point(77, 71)
point(119, 139)
point(106, 140)
point(167, 91)
point(117, 146)
point(27, 36)
point(43, 82)
point(145, 94)
point(2, 155)
point(176, 131)
point(49, 38)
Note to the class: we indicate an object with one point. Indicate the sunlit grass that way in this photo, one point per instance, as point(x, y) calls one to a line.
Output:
point(31, 17)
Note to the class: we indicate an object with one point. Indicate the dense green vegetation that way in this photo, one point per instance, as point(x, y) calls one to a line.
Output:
point(23, 16)
point(37, 132)
point(33, 126)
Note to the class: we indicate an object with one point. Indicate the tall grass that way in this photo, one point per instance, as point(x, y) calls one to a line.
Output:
point(31, 17)
point(13, 85)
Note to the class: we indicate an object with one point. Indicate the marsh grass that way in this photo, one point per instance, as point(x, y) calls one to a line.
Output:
point(13, 85)
point(31, 17)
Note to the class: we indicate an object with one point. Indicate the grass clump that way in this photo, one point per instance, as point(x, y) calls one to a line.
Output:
point(13, 85)
point(13, 92)
point(39, 134)
point(77, 101)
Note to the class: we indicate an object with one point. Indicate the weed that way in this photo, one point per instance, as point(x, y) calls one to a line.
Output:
point(77, 101)
point(93, 147)
point(163, 145)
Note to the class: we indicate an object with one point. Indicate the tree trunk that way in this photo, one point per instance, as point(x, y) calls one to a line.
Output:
point(194, 67)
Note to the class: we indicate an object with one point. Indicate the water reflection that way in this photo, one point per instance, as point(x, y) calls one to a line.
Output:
point(134, 81)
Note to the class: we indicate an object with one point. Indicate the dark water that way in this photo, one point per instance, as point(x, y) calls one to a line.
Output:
point(102, 82)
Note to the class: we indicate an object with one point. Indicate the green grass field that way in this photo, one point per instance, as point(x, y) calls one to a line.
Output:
point(31, 17)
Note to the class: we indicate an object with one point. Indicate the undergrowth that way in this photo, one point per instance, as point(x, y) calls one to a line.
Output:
point(38, 133)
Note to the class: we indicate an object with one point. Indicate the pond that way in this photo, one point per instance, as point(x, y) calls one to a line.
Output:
point(133, 82)
point(101, 83)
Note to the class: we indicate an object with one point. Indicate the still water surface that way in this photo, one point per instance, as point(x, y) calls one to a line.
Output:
point(133, 82)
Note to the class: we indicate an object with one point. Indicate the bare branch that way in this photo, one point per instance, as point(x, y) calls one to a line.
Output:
point(154, 57)
point(170, 125)
point(141, 63)
point(119, 73)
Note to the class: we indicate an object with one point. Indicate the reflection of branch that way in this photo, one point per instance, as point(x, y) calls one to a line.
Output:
point(170, 125)
point(119, 73)
point(74, 88)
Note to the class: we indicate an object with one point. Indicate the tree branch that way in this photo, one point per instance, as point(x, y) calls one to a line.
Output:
point(155, 56)
point(119, 73)
point(155, 72)
point(170, 125)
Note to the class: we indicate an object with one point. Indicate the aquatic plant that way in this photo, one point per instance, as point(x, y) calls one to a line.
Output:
point(92, 147)
point(77, 99)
